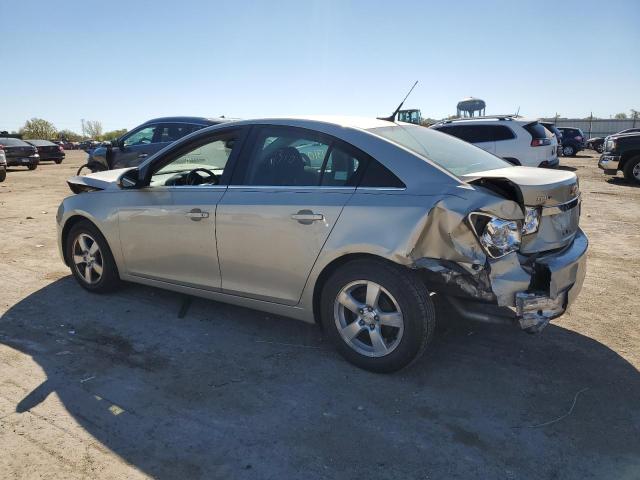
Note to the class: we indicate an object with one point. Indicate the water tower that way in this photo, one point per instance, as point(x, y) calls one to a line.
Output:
point(468, 107)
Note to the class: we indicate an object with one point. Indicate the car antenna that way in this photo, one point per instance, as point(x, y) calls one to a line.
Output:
point(392, 117)
point(517, 112)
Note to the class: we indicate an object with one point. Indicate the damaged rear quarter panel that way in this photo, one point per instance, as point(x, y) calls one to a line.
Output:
point(418, 230)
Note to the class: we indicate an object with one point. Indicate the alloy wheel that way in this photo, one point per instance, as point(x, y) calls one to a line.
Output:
point(567, 151)
point(87, 258)
point(368, 318)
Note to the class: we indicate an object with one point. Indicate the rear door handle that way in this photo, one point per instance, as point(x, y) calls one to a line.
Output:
point(196, 214)
point(143, 155)
point(307, 217)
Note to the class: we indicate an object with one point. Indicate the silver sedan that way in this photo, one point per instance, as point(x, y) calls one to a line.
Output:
point(359, 225)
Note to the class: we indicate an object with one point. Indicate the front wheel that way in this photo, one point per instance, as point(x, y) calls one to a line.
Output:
point(90, 259)
point(58, 161)
point(378, 314)
point(3, 174)
point(632, 169)
point(32, 166)
point(599, 148)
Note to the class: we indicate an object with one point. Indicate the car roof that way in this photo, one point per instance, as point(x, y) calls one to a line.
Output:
point(185, 119)
point(627, 134)
point(38, 141)
point(359, 123)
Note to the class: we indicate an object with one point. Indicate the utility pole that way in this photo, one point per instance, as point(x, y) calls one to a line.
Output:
point(590, 123)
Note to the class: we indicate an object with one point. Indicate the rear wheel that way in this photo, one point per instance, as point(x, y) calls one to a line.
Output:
point(58, 161)
point(568, 150)
point(90, 259)
point(378, 314)
point(32, 166)
point(3, 174)
point(632, 169)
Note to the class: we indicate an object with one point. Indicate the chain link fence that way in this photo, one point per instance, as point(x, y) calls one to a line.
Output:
point(596, 127)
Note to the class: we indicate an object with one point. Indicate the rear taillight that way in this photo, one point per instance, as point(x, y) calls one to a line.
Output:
point(61, 148)
point(1, 148)
point(579, 138)
point(540, 142)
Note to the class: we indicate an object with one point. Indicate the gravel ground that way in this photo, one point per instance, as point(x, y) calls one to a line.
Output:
point(118, 386)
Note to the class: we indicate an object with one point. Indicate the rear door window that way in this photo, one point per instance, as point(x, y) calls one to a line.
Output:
point(501, 132)
point(170, 132)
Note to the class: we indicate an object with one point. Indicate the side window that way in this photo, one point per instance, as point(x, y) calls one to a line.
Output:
point(209, 159)
point(377, 175)
point(170, 132)
point(286, 156)
point(143, 136)
point(343, 168)
point(501, 132)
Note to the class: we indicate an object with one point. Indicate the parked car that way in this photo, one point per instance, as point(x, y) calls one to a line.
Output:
point(558, 134)
point(621, 153)
point(143, 141)
point(517, 140)
point(19, 152)
point(351, 223)
point(48, 150)
point(597, 143)
point(3, 165)
point(88, 145)
point(573, 141)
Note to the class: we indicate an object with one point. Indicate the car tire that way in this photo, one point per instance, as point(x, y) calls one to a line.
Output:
point(3, 174)
point(380, 333)
point(32, 166)
point(58, 161)
point(102, 275)
point(632, 169)
point(568, 151)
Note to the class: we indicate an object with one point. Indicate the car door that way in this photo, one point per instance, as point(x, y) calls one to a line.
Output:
point(135, 146)
point(503, 138)
point(167, 228)
point(286, 195)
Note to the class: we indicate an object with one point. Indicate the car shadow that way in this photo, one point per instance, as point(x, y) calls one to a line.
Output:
point(622, 181)
point(567, 168)
point(227, 392)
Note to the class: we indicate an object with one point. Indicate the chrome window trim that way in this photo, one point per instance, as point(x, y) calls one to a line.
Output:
point(289, 187)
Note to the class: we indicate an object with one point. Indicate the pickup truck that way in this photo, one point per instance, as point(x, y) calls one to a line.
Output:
point(621, 152)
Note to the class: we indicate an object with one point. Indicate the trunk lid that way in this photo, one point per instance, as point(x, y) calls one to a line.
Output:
point(19, 151)
point(554, 193)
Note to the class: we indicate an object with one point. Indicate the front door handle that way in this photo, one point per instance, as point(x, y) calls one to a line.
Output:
point(196, 214)
point(143, 155)
point(307, 217)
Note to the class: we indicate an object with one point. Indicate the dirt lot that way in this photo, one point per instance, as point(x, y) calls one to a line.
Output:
point(118, 386)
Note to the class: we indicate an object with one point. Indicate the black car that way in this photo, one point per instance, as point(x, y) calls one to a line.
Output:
point(19, 152)
point(556, 131)
point(597, 143)
point(48, 150)
point(135, 146)
point(572, 141)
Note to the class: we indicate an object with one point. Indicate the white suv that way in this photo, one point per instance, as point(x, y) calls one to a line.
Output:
point(515, 139)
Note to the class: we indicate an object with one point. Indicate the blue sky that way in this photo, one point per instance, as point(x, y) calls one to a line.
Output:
point(125, 62)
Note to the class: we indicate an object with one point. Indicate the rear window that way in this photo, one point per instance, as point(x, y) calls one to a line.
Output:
point(41, 143)
point(454, 155)
point(536, 130)
point(13, 142)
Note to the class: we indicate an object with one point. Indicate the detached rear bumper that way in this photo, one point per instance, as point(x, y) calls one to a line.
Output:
point(555, 284)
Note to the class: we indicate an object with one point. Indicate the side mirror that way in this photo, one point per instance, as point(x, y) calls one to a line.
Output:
point(129, 179)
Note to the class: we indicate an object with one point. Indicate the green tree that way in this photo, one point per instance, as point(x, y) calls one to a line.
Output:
point(69, 135)
point(620, 116)
point(38, 128)
point(92, 128)
point(113, 134)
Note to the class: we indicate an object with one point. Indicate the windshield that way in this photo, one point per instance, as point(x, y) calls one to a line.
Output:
point(452, 154)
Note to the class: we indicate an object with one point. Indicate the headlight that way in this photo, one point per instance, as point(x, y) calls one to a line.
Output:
point(610, 146)
point(497, 236)
point(531, 220)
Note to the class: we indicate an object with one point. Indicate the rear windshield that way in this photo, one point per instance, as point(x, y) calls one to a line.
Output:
point(536, 130)
point(13, 142)
point(451, 153)
point(41, 143)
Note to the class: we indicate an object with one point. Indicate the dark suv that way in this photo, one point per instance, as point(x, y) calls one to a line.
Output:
point(572, 141)
point(556, 131)
point(135, 146)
